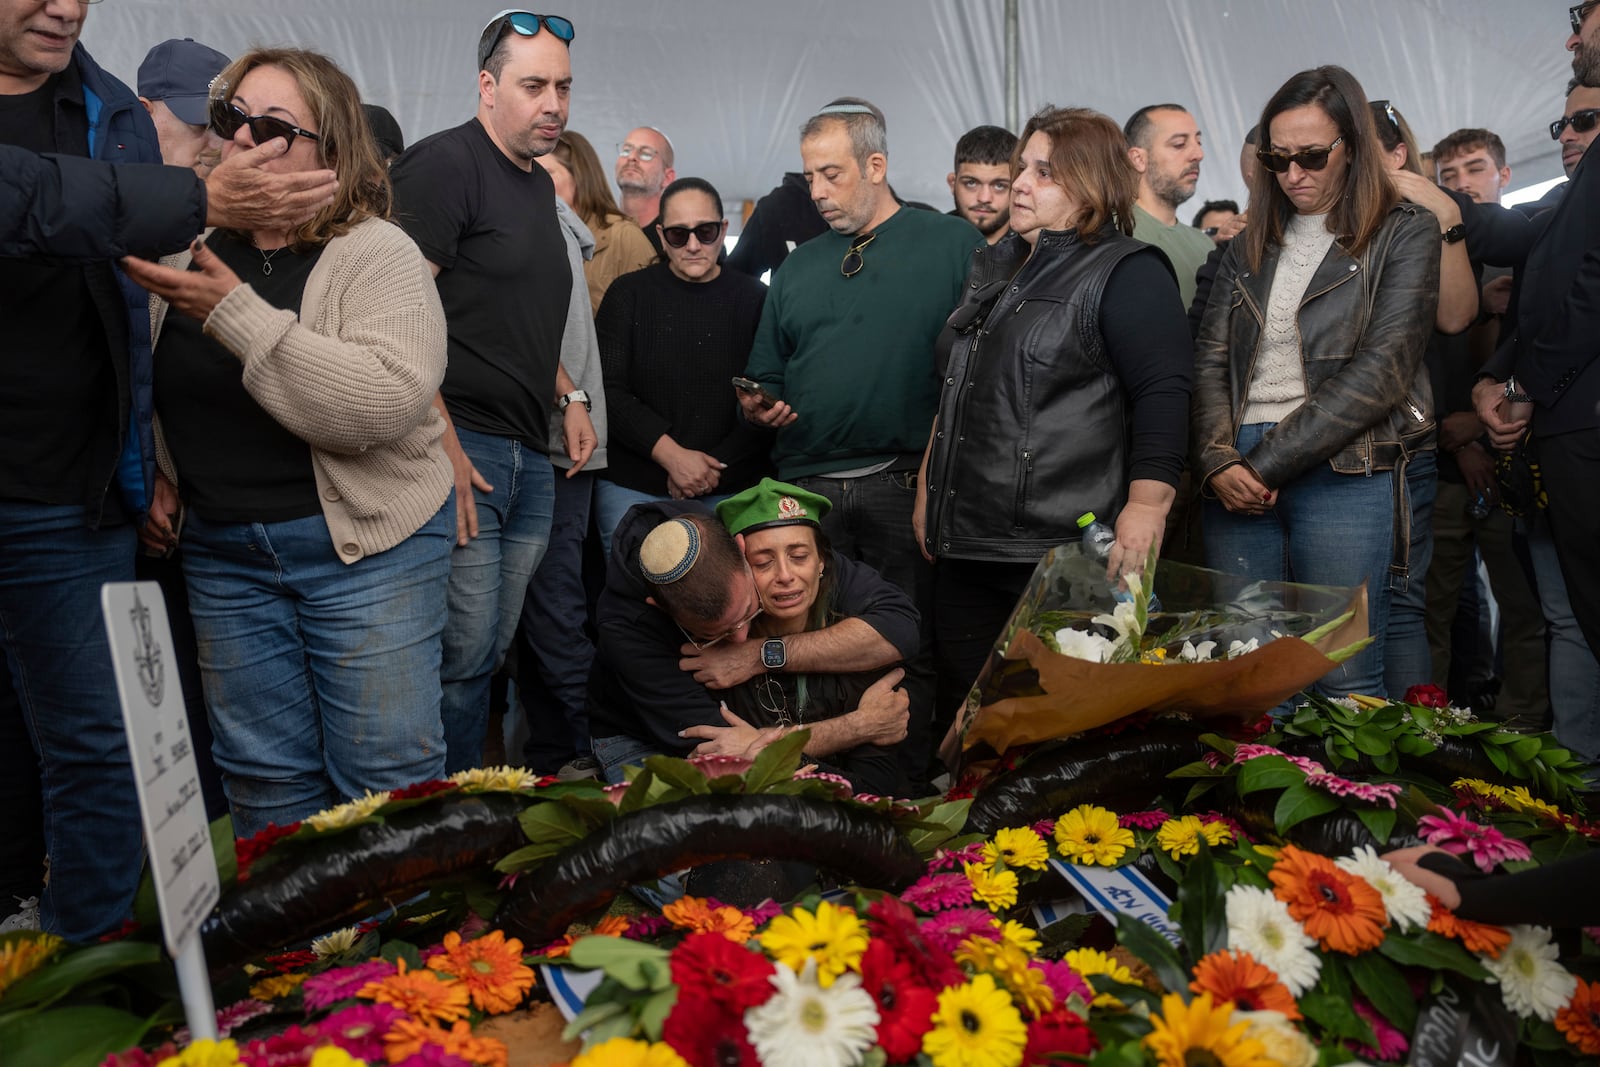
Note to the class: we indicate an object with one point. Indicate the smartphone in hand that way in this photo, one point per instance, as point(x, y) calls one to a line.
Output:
point(751, 387)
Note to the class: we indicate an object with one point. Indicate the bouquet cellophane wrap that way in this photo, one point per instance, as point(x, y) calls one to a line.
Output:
point(1027, 692)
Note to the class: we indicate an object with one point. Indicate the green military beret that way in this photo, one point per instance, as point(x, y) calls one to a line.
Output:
point(772, 503)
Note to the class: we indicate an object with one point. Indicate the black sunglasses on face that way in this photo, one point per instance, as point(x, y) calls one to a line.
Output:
point(1580, 121)
point(226, 119)
point(1579, 13)
point(678, 236)
point(523, 24)
point(852, 262)
point(1310, 159)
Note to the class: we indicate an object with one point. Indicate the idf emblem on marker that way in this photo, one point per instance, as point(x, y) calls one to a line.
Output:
point(789, 508)
point(147, 654)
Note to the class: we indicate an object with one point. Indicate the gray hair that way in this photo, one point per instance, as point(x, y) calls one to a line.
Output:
point(869, 133)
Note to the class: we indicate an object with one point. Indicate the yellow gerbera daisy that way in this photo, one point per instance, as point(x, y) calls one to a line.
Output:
point(277, 987)
point(1088, 961)
point(1025, 938)
point(349, 813)
point(495, 780)
point(24, 956)
point(976, 1026)
point(627, 1052)
point(1018, 847)
point(832, 936)
point(1521, 800)
point(997, 889)
point(1089, 835)
point(205, 1053)
point(1217, 832)
point(1202, 1032)
point(1181, 837)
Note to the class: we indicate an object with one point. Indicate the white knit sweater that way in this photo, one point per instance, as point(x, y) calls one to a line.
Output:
point(1278, 385)
point(353, 375)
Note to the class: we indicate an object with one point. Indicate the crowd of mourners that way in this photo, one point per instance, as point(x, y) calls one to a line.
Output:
point(444, 453)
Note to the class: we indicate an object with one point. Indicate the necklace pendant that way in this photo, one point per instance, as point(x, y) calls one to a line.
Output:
point(266, 268)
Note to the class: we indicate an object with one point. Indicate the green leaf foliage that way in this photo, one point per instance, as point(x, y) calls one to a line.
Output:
point(1268, 772)
point(636, 965)
point(1200, 895)
point(1299, 803)
point(1436, 953)
point(1385, 988)
point(73, 969)
point(1154, 950)
point(777, 762)
point(78, 1036)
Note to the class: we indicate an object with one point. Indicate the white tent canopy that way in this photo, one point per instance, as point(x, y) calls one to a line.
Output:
point(731, 82)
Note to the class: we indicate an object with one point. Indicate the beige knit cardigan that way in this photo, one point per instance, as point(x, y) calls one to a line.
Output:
point(354, 376)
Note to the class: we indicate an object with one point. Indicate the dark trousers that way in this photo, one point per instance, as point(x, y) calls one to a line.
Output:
point(972, 599)
point(1570, 463)
point(871, 521)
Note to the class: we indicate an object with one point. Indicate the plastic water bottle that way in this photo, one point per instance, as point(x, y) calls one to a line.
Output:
point(1480, 507)
point(1097, 539)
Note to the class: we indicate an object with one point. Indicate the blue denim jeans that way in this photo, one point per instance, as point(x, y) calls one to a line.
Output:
point(1406, 659)
point(54, 638)
point(322, 678)
point(1327, 529)
point(619, 751)
point(612, 501)
point(489, 578)
point(1574, 672)
point(553, 651)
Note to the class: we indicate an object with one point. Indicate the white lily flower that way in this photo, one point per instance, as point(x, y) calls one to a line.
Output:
point(1080, 644)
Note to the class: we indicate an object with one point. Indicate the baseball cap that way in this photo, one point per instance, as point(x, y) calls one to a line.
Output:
point(180, 73)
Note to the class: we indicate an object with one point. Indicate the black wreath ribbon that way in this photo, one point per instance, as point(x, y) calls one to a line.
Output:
point(858, 844)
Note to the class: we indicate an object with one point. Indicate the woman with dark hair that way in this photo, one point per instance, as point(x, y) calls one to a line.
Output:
point(1066, 381)
point(795, 576)
point(1310, 397)
point(296, 423)
point(619, 245)
point(671, 336)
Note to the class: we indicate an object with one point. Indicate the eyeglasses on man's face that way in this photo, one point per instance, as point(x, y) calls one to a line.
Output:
point(642, 152)
point(1580, 12)
point(1581, 122)
point(703, 643)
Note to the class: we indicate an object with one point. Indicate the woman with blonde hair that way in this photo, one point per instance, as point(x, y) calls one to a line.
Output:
point(620, 246)
point(295, 372)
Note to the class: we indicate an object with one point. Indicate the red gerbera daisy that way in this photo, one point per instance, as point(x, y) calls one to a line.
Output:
point(707, 1034)
point(1055, 1033)
point(905, 1006)
point(247, 850)
point(708, 965)
point(890, 920)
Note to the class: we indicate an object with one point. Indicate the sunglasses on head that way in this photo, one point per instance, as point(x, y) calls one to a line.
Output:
point(1389, 113)
point(853, 261)
point(1579, 13)
point(678, 236)
point(523, 24)
point(226, 118)
point(1310, 159)
point(1580, 121)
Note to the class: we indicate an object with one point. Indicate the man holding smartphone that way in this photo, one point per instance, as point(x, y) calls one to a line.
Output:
point(846, 343)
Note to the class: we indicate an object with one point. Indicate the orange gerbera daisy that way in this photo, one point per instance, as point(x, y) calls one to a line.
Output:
point(1579, 1021)
point(491, 968)
point(419, 993)
point(1341, 910)
point(696, 915)
point(1237, 977)
point(407, 1037)
point(1482, 938)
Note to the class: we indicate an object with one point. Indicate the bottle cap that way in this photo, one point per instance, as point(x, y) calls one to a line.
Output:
point(1085, 519)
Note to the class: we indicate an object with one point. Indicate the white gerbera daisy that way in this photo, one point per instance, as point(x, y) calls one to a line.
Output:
point(1260, 924)
point(804, 1025)
point(1531, 981)
point(1080, 644)
point(333, 944)
point(1406, 903)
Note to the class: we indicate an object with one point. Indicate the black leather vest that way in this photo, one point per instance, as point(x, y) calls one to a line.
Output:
point(1033, 426)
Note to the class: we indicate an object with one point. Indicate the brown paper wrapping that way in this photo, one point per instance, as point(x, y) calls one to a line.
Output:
point(1071, 695)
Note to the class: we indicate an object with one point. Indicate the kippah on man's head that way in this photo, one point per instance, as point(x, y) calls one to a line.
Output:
point(690, 562)
point(669, 551)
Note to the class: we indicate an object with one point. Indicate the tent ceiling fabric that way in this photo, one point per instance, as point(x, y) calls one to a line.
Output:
point(731, 82)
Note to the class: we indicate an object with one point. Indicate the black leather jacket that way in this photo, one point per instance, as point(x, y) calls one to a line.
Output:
point(1033, 422)
point(1364, 326)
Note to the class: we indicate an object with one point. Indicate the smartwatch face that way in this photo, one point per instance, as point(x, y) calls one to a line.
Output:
point(773, 654)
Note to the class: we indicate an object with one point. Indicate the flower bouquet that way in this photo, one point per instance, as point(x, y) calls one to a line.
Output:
point(1075, 655)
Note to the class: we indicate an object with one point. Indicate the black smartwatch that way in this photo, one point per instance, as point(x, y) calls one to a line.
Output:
point(1454, 234)
point(774, 654)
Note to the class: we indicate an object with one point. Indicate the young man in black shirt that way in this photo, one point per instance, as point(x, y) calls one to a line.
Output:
point(484, 215)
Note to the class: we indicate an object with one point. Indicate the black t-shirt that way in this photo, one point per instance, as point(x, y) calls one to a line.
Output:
point(491, 228)
point(58, 387)
point(236, 463)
